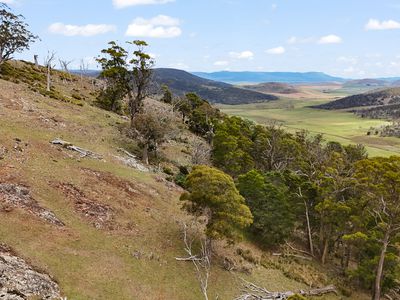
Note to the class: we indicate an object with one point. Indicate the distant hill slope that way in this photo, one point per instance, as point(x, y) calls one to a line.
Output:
point(366, 83)
point(272, 87)
point(382, 104)
point(259, 77)
point(374, 98)
point(181, 82)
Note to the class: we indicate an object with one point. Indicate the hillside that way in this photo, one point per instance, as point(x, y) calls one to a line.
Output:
point(95, 226)
point(375, 98)
point(260, 77)
point(181, 82)
point(272, 87)
point(366, 83)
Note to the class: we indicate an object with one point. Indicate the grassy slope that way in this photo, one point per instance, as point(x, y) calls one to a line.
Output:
point(338, 126)
point(92, 263)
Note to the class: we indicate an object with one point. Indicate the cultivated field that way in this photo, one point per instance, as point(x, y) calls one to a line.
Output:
point(293, 113)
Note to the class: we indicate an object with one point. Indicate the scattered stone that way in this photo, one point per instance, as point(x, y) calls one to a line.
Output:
point(18, 196)
point(131, 161)
point(3, 152)
point(100, 215)
point(19, 281)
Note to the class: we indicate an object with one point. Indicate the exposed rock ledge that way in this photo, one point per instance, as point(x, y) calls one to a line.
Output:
point(19, 281)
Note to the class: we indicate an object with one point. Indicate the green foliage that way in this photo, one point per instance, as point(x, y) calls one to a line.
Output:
point(232, 146)
point(167, 95)
point(115, 72)
point(268, 198)
point(212, 193)
point(14, 34)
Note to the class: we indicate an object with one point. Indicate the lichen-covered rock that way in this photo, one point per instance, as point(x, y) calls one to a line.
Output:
point(19, 281)
point(19, 196)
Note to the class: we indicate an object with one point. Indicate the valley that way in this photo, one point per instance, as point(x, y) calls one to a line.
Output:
point(293, 113)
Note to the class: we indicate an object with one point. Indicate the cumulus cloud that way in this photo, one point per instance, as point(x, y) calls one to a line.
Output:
point(276, 51)
point(126, 3)
point(221, 63)
point(158, 27)
point(85, 30)
point(330, 39)
point(374, 24)
point(242, 55)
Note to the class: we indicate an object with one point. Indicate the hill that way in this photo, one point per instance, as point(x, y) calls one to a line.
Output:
point(272, 87)
point(181, 82)
point(366, 83)
point(96, 226)
point(260, 77)
point(375, 98)
point(378, 104)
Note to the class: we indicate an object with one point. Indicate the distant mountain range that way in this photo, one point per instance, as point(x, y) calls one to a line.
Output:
point(259, 77)
point(181, 82)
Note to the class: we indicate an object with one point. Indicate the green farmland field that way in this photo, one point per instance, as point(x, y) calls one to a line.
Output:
point(340, 126)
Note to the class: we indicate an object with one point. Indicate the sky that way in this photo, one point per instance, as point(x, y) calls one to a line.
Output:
point(347, 38)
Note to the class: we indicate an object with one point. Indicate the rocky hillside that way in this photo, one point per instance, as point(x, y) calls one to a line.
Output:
point(181, 82)
point(85, 220)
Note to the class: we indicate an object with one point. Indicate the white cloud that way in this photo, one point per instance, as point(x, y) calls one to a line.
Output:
point(374, 24)
point(276, 51)
point(221, 63)
point(347, 59)
point(296, 40)
point(158, 27)
point(85, 30)
point(274, 6)
point(330, 39)
point(242, 55)
point(126, 3)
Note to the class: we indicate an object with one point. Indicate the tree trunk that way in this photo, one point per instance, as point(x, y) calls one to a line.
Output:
point(310, 240)
point(145, 157)
point(48, 78)
point(35, 57)
point(379, 270)
point(325, 251)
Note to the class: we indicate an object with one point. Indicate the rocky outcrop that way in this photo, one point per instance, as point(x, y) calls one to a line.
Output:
point(19, 281)
point(19, 196)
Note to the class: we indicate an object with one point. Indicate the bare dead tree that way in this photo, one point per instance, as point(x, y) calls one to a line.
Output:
point(48, 63)
point(201, 261)
point(201, 153)
point(84, 68)
point(255, 292)
point(64, 64)
point(36, 59)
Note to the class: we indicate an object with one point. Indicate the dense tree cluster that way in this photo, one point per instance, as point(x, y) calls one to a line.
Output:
point(346, 205)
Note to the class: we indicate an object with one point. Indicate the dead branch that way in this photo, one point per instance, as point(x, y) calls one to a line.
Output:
point(83, 152)
point(254, 292)
point(201, 262)
point(292, 255)
point(298, 250)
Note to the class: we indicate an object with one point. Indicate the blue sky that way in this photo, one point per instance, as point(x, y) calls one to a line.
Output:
point(349, 38)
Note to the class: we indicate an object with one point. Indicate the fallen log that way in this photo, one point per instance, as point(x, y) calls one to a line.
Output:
point(254, 292)
point(70, 146)
point(292, 255)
